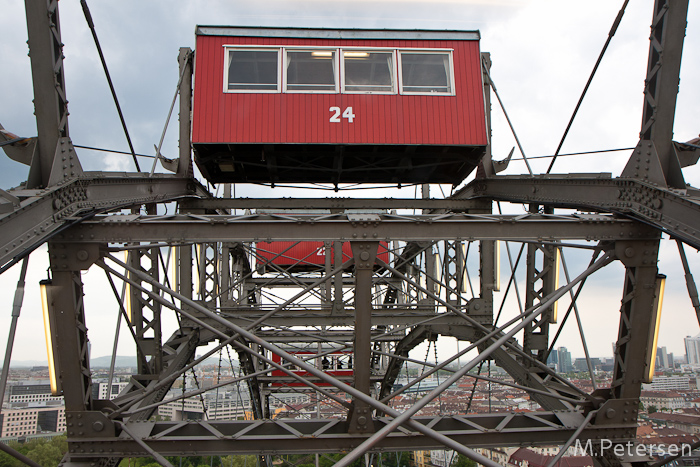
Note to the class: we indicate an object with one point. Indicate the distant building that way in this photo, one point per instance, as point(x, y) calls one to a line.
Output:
point(498, 455)
point(206, 408)
point(525, 457)
point(30, 411)
point(564, 358)
point(30, 420)
point(580, 364)
point(442, 457)
point(232, 405)
point(100, 389)
point(692, 350)
point(31, 393)
point(668, 383)
point(421, 459)
point(662, 358)
point(663, 400)
point(687, 423)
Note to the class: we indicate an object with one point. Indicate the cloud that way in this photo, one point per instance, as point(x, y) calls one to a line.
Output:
point(542, 52)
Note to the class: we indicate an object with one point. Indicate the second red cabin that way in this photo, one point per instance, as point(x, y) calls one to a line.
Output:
point(304, 256)
point(336, 106)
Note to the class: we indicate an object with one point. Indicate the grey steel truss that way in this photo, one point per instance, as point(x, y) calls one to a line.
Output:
point(340, 330)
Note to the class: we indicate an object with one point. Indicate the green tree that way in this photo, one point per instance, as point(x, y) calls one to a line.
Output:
point(239, 461)
point(46, 452)
point(652, 409)
point(463, 461)
point(396, 459)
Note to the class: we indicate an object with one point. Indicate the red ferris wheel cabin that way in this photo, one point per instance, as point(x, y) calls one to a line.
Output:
point(337, 106)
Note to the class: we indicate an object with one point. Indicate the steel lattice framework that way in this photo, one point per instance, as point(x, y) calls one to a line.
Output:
point(204, 264)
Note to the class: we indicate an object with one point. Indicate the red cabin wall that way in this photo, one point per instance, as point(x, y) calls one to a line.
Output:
point(220, 117)
point(305, 253)
point(303, 355)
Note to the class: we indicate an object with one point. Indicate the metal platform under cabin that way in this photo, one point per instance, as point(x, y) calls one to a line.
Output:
point(326, 163)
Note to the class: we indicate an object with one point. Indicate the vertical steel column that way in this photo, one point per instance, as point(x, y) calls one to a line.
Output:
point(154, 324)
point(485, 168)
point(67, 314)
point(185, 271)
point(207, 270)
point(146, 328)
point(541, 281)
point(411, 294)
point(655, 159)
point(430, 263)
point(636, 314)
point(224, 272)
point(184, 167)
point(55, 159)
point(365, 253)
point(481, 308)
point(338, 279)
point(453, 272)
point(327, 286)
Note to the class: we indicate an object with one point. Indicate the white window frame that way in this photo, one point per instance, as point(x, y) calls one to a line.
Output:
point(253, 48)
point(336, 70)
point(339, 69)
point(394, 70)
point(451, 75)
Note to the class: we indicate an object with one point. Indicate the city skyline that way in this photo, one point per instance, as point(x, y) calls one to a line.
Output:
point(507, 33)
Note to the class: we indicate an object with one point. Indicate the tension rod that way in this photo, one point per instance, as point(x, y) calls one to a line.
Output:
point(689, 281)
point(612, 32)
point(91, 24)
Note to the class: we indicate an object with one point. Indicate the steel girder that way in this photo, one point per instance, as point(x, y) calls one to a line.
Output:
point(43, 212)
point(177, 353)
point(673, 211)
point(271, 437)
point(184, 229)
point(339, 204)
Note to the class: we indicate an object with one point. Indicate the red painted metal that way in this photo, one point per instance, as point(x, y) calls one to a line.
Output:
point(337, 364)
point(304, 255)
point(271, 118)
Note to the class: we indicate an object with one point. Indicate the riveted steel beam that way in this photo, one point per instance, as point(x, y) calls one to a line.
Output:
point(43, 212)
point(291, 436)
point(216, 228)
point(334, 204)
point(673, 211)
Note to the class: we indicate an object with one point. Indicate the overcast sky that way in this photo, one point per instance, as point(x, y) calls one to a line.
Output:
point(542, 53)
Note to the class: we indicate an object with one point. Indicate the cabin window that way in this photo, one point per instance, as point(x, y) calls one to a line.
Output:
point(368, 71)
point(253, 70)
point(311, 70)
point(326, 70)
point(426, 73)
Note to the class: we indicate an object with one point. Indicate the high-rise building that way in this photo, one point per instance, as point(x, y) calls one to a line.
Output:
point(564, 358)
point(580, 364)
point(662, 357)
point(692, 350)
